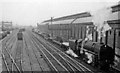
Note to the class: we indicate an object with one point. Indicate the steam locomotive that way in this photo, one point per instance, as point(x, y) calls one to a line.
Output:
point(94, 53)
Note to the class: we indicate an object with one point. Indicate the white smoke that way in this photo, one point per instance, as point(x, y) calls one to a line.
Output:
point(89, 56)
point(69, 51)
point(88, 36)
point(99, 20)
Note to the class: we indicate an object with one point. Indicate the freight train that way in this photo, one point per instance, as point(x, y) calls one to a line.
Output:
point(74, 29)
point(20, 34)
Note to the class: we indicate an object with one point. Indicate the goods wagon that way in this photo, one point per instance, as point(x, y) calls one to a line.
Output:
point(20, 36)
point(22, 30)
point(8, 32)
point(45, 36)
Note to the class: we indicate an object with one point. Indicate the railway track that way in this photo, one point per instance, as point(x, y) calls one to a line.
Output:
point(4, 42)
point(63, 61)
point(7, 57)
point(32, 56)
point(9, 60)
point(26, 61)
point(18, 55)
point(27, 52)
point(56, 65)
point(6, 39)
point(39, 54)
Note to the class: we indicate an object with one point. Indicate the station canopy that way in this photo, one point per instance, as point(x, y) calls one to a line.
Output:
point(70, 19)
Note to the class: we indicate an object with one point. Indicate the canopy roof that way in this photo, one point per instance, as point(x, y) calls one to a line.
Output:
point(84, 17)
point(79, 15)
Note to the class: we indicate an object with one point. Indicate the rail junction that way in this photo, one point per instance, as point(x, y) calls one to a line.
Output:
point(79, 43)
point(35, 54)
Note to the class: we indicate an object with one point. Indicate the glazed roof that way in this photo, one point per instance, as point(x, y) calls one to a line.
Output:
point(79, 15)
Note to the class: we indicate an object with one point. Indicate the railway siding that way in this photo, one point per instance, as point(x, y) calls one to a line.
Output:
point(36, 66)
point(18, 54)
point(51, 59)
point(41, 60)
point(57, 55)
point(33, 61)
point(9, 45)
point(59, 58)
point(6, 48)
point(25, 59)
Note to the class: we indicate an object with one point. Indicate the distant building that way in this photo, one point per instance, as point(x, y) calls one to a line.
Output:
point(5, 25)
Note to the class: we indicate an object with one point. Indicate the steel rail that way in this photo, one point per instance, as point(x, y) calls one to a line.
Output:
point(36, 57)
point(46, 57)
point(28, 54)
point(67, 60)
point(10, 39)
point(7, 42)
point(54, 57)
point(70, 62)
point(4, 55)
point(71, 58)
point(5, 49)
point(13, 60)
point(13, 63)
point(18, 54)
point(5, 62)
point(7, 38)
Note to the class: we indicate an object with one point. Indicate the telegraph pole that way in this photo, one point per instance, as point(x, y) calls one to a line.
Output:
point(2, 25)
point(51, 24)
point(51, 20)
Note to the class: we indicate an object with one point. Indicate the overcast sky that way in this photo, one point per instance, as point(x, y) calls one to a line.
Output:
point(29, 12)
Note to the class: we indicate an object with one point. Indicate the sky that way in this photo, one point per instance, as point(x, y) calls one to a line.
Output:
point(31, 12)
